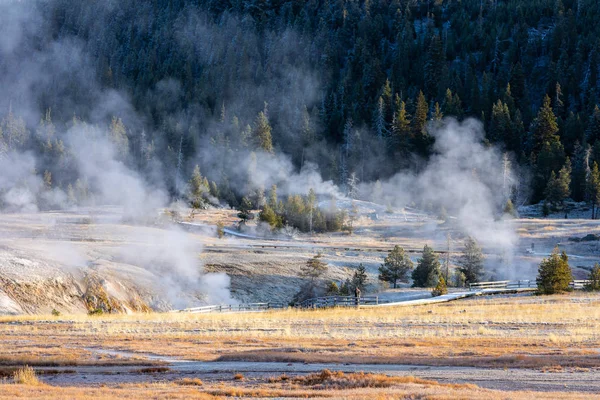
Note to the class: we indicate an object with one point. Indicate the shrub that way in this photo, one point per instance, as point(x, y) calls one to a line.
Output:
point(26, 376)
point(594, 278)
point(554, 274)
point(238, 377)
point(333, 289)
point(440, 288)
point(96, 311)
point(220, 230)
point(55, 312)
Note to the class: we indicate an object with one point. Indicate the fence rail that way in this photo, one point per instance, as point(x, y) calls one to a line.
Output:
point(579, 284)
point(338, 301)
point(235, 308)
point(522, 284)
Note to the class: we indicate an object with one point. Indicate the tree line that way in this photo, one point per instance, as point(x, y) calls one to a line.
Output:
point(364, 79)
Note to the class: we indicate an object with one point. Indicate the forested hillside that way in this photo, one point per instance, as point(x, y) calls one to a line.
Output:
point(349, 85)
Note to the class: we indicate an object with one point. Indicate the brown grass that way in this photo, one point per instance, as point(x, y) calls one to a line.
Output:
point(189, 382)
point(327, 379)
point(26, 376)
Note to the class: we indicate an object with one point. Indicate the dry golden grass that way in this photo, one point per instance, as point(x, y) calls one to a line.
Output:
point(26, 376)
point(503, 332)
point(407, 389)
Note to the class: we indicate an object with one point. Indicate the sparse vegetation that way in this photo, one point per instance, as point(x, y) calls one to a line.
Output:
point(26, 376)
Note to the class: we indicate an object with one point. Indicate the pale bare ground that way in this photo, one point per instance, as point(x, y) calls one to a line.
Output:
point(46, 258)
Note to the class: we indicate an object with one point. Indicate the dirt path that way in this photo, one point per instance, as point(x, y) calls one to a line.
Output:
point(499, 379)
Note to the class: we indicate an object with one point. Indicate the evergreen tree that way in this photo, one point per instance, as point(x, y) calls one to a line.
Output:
point(434, 66)
point(580, 172)
point(554, 273)
point(545, 127)
point(359, 278)
point(593, 129)
point(401, 127)
point(593, 189)
point(262, 132)
point(558, 188)
point(441, 288)
point(471, 261)
point(395, 267)
point(118, 135)
point(427, 272)
point(594, 279)
point(197, 189)
point(314, 269)
point(419, 124)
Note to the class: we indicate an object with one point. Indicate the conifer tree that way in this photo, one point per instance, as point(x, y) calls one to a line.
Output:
point(395, 267)
point(419, 125)
point(593, 189)
point(359, 278)
point(471, 261)
point(554, 273)
point(262, 132)
point(427, 272)
point(545, 127)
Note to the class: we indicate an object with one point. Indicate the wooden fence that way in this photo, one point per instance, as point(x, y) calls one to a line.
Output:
point(338, 301)
point(522, 284)
point(249, 307)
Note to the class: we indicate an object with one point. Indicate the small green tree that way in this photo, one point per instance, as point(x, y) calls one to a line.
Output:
point(313, 269)
point(509, 209)
point(220, 230)
point(244, 211)
point(471, 262)
point(262, 132)
point(440, 288)
point(196, 189)
point(395, 266)
point(359, 279)
point(594, 279)
point(554, 273)
point(333, 289)
point(428, 269)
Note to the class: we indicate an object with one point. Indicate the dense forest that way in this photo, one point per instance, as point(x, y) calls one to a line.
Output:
point(351, 86)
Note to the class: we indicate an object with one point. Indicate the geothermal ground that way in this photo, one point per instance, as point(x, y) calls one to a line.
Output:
point(496, 347)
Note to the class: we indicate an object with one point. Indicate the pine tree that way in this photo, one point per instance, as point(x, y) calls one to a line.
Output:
point(594, 279)
point(118, 135)
point(558, 188)
point(593, 129)
point(401, 127)
point(580, 172)
point(441, 288)
point(545, 126)
point(554, 273)
point(262, 132)
point(500, 124)
point(593, 189)
point(359, 278)
point(419, 123)
point(196, 189)
point(313, 269)
point(428, 269)
point(434, 66)
point(395, 267)
point(471, 261)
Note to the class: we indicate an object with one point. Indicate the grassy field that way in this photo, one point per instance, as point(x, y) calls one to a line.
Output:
point(556, 333)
